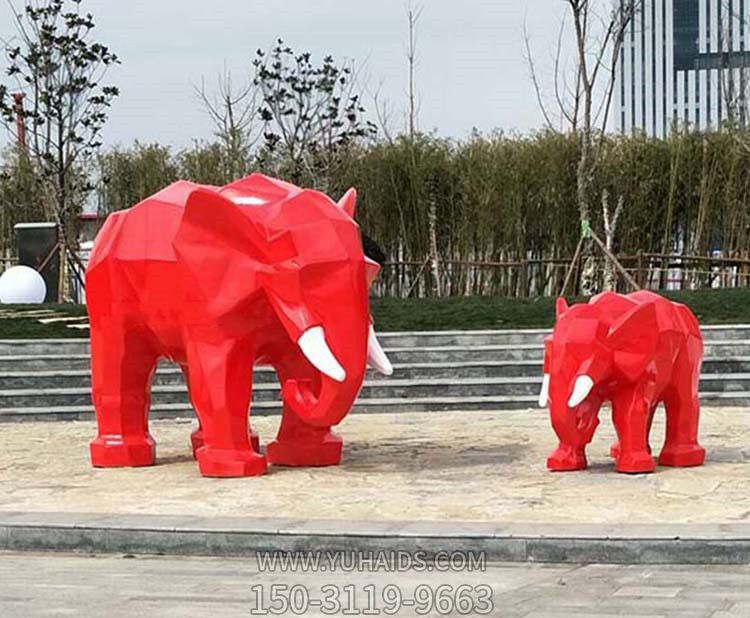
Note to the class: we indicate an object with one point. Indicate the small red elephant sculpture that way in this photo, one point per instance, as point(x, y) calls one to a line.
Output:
point(217, 280)
point(635, 351)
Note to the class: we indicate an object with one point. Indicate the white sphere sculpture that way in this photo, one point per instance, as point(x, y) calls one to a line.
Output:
point(22, 285)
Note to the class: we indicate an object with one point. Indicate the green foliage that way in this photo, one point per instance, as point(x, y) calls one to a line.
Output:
point(457, 313)
point(496, 197)
point(311, 112)
point(461, 313)
point(126, 176)
point(21, 196)
point(31, 328)
point(396, 183)
point(488, 312)
point(513, 197)
point(209, 163)
point(505, 197)
point(56, 65)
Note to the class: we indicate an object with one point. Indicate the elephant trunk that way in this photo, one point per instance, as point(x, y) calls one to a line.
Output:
point(329, 407)
point(326, 400)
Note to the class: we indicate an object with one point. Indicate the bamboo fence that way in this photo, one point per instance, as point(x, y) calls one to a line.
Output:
point(544, 277)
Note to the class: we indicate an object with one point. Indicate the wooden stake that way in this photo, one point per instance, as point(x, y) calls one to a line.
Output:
point(572, 266)
point(615, 261)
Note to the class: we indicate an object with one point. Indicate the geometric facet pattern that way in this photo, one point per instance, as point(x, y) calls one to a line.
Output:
point(634, 351)
point(218, 279)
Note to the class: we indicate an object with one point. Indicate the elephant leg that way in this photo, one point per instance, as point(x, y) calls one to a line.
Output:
point(681, 446)
point(220, 385)
point(197, 441)
point(614, 450)
point(122, 365)
point(632, 414)
point(300, 444)
point(196, 437)
point(567, 458)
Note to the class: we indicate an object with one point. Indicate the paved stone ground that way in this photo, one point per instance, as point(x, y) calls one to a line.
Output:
point(117, 587)
point(469, 466)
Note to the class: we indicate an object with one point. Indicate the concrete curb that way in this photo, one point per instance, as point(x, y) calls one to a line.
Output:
point(178, 535)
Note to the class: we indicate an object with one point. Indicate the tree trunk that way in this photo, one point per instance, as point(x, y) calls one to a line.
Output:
point(583, 190)
point(434, 262)
point(610, 275)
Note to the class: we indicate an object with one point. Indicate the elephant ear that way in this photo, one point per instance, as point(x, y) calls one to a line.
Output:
point(210, 219)
point(222, 249)
point(633, 338)
point(348, 203)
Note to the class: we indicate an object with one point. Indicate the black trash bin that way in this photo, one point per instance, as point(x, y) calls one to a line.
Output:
point(35, 243)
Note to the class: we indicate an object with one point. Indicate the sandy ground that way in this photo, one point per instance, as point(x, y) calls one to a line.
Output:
point(468, 466)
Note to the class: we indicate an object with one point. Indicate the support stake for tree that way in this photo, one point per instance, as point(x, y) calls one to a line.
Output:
point(615, 262)
point(589, 233)
point(571, 268)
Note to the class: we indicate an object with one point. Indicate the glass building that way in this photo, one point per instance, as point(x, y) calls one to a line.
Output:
point(684, 61)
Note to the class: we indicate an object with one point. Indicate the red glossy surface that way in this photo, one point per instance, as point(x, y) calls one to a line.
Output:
point(218, 280)
point(639, 350)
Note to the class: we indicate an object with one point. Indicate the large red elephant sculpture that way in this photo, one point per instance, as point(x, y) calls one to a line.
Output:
point(635, 351)
point(219, 280)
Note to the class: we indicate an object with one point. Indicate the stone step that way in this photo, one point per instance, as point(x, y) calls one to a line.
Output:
point(433, 371)
point(398, 356)
point(169, 374)
point(408, 339)
point(390, 389)
point(44, 362)
point(466, 388)
point(363, 406)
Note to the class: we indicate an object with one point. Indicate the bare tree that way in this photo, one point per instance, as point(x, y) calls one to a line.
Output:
point(598, 29)
point(733, 82)
point(413, 13)
point(566, 99)
point(383, 112)
point(610, 228)
point(234, 115)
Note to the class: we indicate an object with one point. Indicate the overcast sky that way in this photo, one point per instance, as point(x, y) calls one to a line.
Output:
point(472, 71)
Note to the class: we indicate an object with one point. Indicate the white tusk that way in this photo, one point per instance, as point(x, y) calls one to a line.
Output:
point(544, 393)
point(313, 345)
point(581, 390)
point(376, 358)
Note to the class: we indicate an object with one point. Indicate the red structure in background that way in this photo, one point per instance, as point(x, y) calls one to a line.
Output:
point(219, 280)
point(635, 351)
